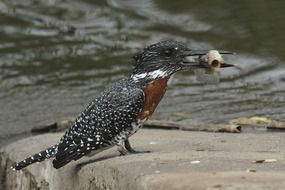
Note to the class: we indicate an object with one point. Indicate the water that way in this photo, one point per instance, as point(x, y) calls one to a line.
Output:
point(57, 55)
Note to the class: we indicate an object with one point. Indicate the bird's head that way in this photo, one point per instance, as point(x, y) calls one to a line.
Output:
point(164, 58)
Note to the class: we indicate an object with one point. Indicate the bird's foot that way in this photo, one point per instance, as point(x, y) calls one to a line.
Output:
point(127, 149)
point(139, 152)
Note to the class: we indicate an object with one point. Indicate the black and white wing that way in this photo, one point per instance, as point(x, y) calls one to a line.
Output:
point(97, 127)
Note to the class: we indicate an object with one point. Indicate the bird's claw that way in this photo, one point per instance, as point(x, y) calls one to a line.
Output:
point(132, 151)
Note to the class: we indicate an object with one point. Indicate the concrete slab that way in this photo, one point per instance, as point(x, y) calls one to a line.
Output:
point(179, 160)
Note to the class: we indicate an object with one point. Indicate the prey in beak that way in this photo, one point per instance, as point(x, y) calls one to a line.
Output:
point(207, 59)
point(206, 64)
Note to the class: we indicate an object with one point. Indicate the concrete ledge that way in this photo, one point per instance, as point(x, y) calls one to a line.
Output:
point(225, 161)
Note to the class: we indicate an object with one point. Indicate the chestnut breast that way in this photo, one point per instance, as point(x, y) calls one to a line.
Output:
point(154, 92)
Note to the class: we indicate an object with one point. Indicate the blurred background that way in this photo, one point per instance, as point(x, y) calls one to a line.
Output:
point(57, 55)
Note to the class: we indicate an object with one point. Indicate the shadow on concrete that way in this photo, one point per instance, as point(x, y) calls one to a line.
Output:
point(80, 165)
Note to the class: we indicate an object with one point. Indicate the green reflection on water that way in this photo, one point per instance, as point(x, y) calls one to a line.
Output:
point(58, 55)
point(250, 26)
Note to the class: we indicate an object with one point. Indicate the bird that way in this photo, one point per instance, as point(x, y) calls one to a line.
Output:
point(120, 110)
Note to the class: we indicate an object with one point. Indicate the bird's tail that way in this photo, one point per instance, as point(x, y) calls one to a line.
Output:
point(43, 155)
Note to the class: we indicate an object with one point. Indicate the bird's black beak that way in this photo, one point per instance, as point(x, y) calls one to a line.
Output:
point(194, 59)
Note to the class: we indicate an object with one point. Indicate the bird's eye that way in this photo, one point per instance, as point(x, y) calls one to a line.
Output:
point(168, 52)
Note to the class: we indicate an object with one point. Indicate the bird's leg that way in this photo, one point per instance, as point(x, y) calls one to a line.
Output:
point(125, 148)
point(129, 148)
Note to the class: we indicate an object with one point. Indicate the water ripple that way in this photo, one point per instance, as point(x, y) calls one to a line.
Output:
point(57, 55)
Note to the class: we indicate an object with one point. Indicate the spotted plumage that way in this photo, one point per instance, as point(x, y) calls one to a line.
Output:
point(118, 112)
point(108, 120)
